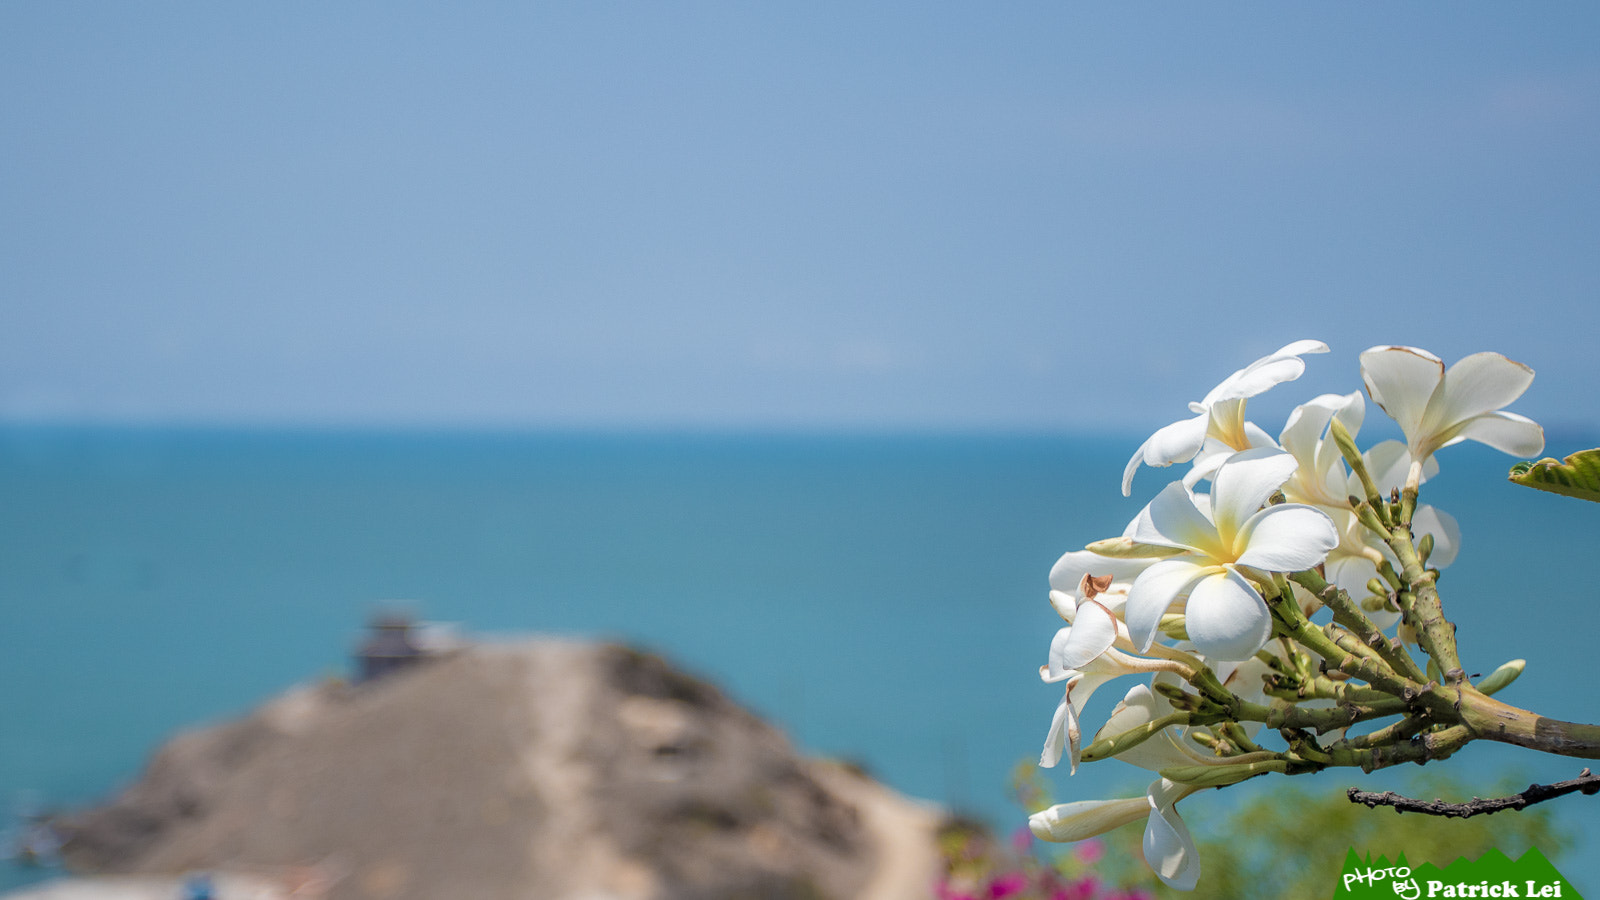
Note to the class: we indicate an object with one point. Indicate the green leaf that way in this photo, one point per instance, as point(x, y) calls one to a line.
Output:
point(1578, 476)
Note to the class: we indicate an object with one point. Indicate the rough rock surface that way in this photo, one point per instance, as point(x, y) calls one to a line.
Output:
point(546, 769)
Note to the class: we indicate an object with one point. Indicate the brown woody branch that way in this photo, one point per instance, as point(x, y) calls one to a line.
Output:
point(1585, 783)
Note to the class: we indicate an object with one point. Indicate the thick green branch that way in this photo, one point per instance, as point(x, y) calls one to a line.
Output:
point(1434, 632)
point(1492, 720)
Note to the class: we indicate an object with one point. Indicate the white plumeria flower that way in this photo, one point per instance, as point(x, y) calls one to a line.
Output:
point(1084, 656)
point(1225, 615)
point(1320, 479)
point(1220, 416)
point(1437, 407)
point(1168, 847)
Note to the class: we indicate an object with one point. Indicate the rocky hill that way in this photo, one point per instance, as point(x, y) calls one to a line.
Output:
point(547, 769)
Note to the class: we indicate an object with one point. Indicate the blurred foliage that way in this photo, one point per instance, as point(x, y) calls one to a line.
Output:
point(1289, 843)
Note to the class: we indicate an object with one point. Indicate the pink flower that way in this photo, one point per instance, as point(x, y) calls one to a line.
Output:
point(1083, 889)
point(1089, 852)
point(1022, 839)
point(1007, 885)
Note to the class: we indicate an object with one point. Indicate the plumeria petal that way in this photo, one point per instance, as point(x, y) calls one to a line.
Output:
point(1477, 384)
point(1138, 708)
point(1401, 380)
point(1071, 567)
point(1154, 592)
point(1245, 482)
point(1461, 404)
point(1066, 822)
point(1506, 432)
point(1168, 846)
point(1289, 537)
point(1174, 443)
point(1302, 434)
point(1351, 573)
point(1320, 477)
point(1446, 534)
point(1065, 605)
point(1256, 378)
point(1091, 633)
point(1055, 738)
point(1388, 462)
point(1226, 617)
point(1174, 520)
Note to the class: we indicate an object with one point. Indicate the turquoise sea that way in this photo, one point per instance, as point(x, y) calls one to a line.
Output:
point(882, 598)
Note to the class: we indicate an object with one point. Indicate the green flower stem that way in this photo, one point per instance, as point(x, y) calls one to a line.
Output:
point(1386, 569)
point(1425, 612)
point(1352, 457)
point(1321, 719)
point(1394, 732)
point(1325, 688)
point(1430, 746)
point(1109, 747)
point(1348, 614)
point(1408, 497)
point(1369, 517)
point(1353, 645)
point(1236, 735)
point(1372, 670)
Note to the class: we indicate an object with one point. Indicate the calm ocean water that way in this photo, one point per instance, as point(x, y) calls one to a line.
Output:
point(880, 598)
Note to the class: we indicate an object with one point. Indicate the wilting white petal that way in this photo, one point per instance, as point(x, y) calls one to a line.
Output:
point(1173, 520)
point(1477, 384)
point(1243, 483)
point(1154, 592)
point(1063, 721)
point(1091, 633)
point(1446, 534)
point(1506, 432)
point(1086, 818)
point(1168, 846)
point(1401, 380)
point(1064, 724)
point(1289, 537)
point(1174, 443)
point(1226, 617)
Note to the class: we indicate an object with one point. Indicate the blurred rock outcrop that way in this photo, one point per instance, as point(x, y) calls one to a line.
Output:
point(547, 769)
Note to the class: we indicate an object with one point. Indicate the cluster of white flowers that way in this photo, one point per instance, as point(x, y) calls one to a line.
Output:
point(1196, 563)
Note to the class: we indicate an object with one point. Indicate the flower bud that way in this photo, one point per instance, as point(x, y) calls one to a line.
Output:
point(1221, 775)
point(1128, 548)
point(1502, 677)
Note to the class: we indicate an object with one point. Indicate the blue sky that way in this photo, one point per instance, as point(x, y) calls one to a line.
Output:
point(1034, 216)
